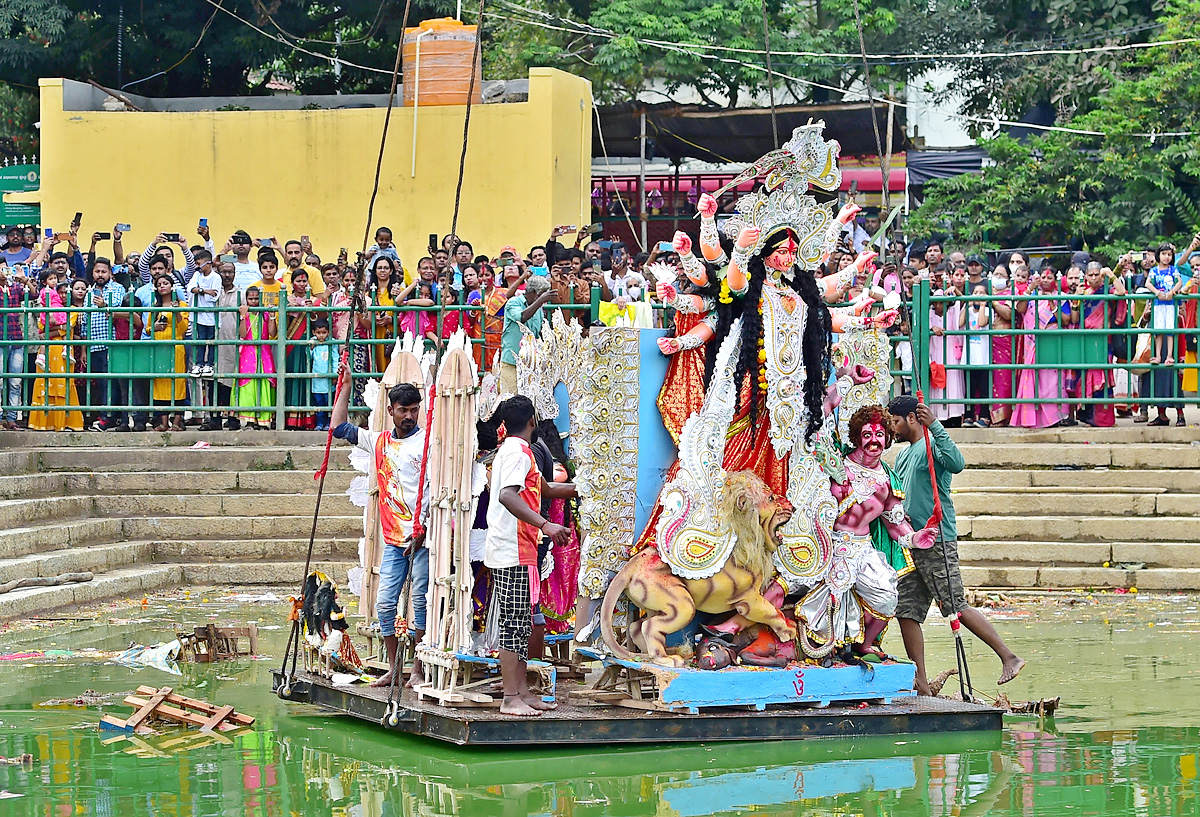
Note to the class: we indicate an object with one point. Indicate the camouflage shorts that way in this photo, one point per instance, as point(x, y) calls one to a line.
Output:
point(929, 581)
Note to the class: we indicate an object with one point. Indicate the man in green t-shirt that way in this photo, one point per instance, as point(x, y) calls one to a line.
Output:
point(522, 312)
point(936, 574)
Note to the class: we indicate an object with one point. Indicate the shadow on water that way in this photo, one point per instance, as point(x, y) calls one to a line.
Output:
point(299, 761)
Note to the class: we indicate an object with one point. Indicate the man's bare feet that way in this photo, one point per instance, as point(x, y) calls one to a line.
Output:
point(384, 680)
point(537, 703)
point(515, 705)
point(1011, 669)
point(415, 678)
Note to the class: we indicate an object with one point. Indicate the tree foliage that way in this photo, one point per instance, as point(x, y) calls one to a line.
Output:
point(1116, 190)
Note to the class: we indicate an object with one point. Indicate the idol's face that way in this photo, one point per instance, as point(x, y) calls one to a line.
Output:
point(783, 257)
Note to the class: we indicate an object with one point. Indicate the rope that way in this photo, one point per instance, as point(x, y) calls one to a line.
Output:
point(345, 376)
point(418, 525)
point(862, 43)
point(770, 78)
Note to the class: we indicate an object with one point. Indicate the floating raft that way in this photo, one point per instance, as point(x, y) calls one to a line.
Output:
point(579, 721)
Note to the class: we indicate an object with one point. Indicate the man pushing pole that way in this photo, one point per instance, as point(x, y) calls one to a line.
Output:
point(937, 573)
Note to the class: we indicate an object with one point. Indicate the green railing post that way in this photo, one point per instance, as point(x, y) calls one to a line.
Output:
point(281, 363)
point(595, 311)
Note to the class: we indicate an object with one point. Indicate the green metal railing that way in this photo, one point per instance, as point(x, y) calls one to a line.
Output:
point(1066, 350)
point(136, 364)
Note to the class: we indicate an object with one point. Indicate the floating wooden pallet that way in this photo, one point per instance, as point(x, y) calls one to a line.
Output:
point(208, 643)
point(163, 704)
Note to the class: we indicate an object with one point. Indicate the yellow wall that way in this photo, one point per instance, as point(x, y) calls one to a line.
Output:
point(287, 173)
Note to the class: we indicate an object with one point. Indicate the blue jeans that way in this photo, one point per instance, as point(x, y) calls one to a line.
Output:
point(12, 361)
point(321, 399)
point(207, 354)
point(393, 572)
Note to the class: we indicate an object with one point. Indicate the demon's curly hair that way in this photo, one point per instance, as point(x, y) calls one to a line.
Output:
point(870, 414)
point(816, 345)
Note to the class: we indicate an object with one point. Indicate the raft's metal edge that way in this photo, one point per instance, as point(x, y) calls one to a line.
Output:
point(810, 724)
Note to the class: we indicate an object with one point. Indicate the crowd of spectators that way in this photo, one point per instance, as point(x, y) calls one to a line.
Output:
point(215, 315)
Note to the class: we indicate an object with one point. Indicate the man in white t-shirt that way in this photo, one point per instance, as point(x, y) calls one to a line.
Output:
point(397, 456)
point(515, 526)
point(203, 290)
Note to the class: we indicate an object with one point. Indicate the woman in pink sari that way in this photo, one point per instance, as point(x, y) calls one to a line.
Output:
point(1002, 347)
point(1101, 314)
point(255, 392)
point(1044, 384)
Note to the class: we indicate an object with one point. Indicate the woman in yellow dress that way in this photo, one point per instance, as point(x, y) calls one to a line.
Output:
point(168, 391)
point(56, 391)
point(382, 324)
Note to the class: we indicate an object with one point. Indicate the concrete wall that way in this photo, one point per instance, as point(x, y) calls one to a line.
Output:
point(285, 173)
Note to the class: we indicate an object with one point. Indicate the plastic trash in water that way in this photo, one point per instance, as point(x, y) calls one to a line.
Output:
point(160, 656)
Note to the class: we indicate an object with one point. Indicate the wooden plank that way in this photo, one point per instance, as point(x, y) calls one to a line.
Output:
point(144, 712)
point(172, 713)
point(202, 706)
point(217, 717)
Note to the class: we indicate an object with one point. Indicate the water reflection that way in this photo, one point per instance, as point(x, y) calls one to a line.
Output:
point(301, 766)
point(1126, 757)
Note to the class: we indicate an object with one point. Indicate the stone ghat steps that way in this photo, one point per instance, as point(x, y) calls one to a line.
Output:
point(1184, 555)
point(1073, 502)
point(132, 580)
point(216, 458)
point(1093, 480)
point(67, 534)
point(1064, 528)
point(61, 483)
point(1047, 577)
point(1080, 455)
point(102, 557)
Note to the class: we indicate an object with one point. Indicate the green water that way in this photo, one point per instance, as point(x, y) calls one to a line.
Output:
point(1126, 741)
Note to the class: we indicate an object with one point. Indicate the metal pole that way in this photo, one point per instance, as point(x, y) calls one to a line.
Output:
point(642, 175)
point(281, 364)
point(887, 161)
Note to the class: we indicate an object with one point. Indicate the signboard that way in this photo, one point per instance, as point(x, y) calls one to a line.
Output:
point(19, 178)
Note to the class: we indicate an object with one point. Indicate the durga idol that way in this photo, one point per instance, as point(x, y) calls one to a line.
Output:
point(768, 400)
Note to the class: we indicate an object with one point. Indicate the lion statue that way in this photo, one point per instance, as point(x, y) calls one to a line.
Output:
point(669, 602)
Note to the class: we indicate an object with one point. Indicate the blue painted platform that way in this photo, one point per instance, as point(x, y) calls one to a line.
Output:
point(688, 690)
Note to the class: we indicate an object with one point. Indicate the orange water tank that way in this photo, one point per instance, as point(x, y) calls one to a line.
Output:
point(438, 52)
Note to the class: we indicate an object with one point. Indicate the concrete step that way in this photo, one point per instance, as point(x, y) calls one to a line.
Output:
point(1079, 528)
point(25, 486)
point(1064, 578)
point(183, 439)
point(18, 512)
point(217, 458)
point(1037, 502)
point(274, 572)
point(16, 462)
point(191, 550)
point(1119, 435)
point(1031, 455)
point(94, 558)
point(1098, 479)
point(268, 528)
point(1173, 555)
point(215, 505)
point(201, 482)
point(127, 582)
point(59, 533)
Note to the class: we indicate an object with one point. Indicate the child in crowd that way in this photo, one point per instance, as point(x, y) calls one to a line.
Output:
point(515, 526)
point(296, 359)
point(1166, 281)
point(451, 319)
point(977, 316)
point(204, 288)
point(322, 358)
point(255, 393)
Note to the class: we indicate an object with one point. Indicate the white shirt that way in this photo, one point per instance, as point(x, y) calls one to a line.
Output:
point(509, 469)
point(247, 275)
point(405, 465)
point(204, 302)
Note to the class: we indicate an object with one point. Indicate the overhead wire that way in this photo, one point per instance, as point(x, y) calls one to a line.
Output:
point(993, 121)
point(953, 55)
point(178, 62)
point(375, 23)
